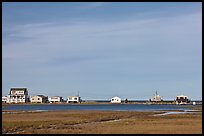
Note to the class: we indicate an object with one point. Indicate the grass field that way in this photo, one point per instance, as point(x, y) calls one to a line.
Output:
point(100, 122)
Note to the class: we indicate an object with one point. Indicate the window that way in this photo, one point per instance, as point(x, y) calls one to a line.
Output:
point(38, 98)
point(75, 98)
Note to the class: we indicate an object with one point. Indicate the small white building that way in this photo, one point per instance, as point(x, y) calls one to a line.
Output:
point(116, 100)
point(55, 99)
point(156, 98)
point(4, 99)
point(182, 99)
point(74, 99)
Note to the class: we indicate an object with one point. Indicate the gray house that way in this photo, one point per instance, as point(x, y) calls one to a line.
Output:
point(18, 95)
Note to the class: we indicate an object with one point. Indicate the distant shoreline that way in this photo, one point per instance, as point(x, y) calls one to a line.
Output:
point(102, 102)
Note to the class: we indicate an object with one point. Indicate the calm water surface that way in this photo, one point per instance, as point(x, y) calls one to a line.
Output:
point(112, 107)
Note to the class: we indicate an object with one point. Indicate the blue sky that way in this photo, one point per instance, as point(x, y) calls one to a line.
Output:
point(103, 49)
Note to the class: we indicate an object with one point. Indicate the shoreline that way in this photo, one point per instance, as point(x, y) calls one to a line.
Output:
point(65, 103)
point(183, 107)
point(192, 109)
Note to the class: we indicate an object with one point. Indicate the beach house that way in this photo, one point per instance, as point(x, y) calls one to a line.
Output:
point(4, 99)
point(39, 99)
point(116, 100)
point(73, 99)
point(17, 95)
point(182, 99)
point(55, 99)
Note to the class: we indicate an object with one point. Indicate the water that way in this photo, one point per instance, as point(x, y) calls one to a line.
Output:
point(111, 107)
point(174, 112)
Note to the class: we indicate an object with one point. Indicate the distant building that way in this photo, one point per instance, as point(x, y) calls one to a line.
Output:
point(74, 99)
point(4, 99)
point(39, 99)
point(116, 100)
point(156, 98)
point(55, 99)
point(182, 99)
point(17, 95)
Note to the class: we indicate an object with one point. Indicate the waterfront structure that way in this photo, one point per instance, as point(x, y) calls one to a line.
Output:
point(4, 99)
point(116, 100)
point(182, 99)
point(156, 98)
point(17, 95)
point(73, 99)
point(39, 99)
point(55, 99)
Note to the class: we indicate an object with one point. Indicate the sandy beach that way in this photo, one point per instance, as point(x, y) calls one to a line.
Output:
point(100, 122)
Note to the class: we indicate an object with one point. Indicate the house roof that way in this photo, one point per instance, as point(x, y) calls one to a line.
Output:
point(39, 96)
point(116, 97)
point(73, 96)
point(181, 96)
point(55, 96)
point(18, 89)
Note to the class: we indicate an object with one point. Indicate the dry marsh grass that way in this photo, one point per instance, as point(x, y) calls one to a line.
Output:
point(100, 122)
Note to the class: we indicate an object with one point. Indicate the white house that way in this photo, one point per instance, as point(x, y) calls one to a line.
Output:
point(55, 99)
point(116, 100)
point(182, 99)
point(4, 99)
point(17, 95)
point(39, 99)
point(74, 99)
point(156, 98)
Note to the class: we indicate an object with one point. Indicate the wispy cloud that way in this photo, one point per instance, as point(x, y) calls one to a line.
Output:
point(94, 37)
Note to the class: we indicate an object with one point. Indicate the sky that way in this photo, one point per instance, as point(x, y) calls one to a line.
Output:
point(103, 49)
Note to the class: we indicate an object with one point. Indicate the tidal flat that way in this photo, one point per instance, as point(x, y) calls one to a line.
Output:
point(100, 122)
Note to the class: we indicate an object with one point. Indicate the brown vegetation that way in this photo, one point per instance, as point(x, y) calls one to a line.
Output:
point(100, 122)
